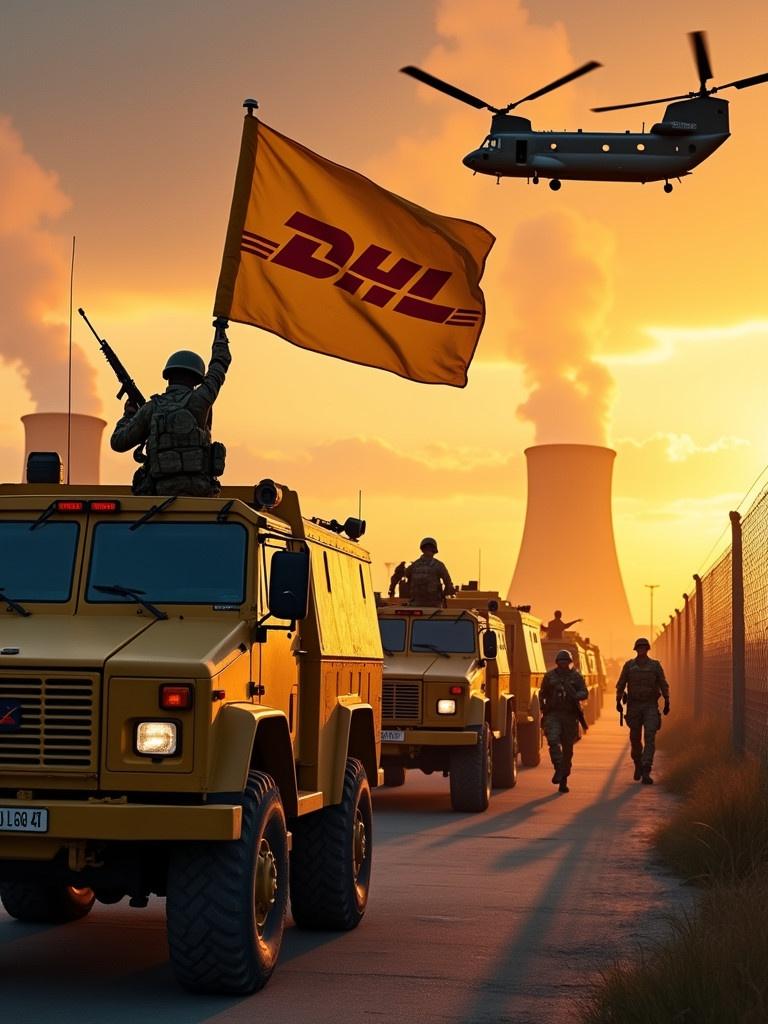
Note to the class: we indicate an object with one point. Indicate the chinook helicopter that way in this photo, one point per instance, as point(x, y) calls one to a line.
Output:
point(689, 132)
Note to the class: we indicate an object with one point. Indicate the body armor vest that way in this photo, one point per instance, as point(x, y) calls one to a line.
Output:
point(177, 444)
point(643, 683)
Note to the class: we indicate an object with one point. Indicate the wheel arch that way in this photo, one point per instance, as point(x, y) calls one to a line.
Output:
point(355, 737)
point(252, 738)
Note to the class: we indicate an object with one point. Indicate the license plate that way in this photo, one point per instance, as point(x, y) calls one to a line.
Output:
point(392, 735)
point(23, 819)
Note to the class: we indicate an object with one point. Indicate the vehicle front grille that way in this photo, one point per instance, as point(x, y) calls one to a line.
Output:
point(59, 718)
point(400, 701)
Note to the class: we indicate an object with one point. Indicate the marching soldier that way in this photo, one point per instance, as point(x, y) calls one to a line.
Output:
point(556, 627)
point(561, 690)
point(427, 579)
point(175, 426)
point(640, 685)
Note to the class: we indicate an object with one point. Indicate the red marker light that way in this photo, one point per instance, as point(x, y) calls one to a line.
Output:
point(104, 506)
point(456, 691)
point(70, 506)
point(173, 698)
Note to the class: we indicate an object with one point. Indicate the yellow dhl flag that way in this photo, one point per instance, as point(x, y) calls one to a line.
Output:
point(330, 261)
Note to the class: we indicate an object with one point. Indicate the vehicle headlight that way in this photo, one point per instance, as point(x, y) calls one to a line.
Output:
point(446, 707)
point(156, 739)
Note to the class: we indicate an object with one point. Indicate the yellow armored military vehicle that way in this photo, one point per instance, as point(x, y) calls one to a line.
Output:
point(189, 699)
point(526, 662)
point(446, 700)
point(585, 660)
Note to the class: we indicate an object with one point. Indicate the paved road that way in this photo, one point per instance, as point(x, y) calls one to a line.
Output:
point(499, 917)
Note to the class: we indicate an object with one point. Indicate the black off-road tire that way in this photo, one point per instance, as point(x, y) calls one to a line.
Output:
point(471, 774)
point(331, 858)
point(529, 741)
point(38, 903)
point(505, 754)
point(226, 901)
point(394, 775)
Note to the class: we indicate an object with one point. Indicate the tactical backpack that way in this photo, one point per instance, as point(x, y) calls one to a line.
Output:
point(177, 444)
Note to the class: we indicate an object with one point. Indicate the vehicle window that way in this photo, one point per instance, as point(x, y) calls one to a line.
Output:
point(38, 565)
point(392, 634)
point(175, 563)
point(453, 636)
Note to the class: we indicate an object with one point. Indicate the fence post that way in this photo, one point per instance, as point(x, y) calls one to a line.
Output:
point(737, 638)
point(698, 651)
point(686, 672)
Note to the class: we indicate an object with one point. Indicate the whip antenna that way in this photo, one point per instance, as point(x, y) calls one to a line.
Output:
point(69, 361)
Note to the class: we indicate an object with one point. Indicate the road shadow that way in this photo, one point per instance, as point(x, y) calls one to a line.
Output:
point(110, 970)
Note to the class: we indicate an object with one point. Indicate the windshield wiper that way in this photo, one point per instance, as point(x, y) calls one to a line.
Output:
point(432, 647)
point(13, 604)
point(45, 514)
point(134, 595)
point(153, 512)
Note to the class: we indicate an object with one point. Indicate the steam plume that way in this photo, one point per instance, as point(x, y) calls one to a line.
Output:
point(559, 289)
point(35, 281)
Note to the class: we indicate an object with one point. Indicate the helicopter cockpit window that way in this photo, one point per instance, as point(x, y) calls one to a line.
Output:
point(491, 143)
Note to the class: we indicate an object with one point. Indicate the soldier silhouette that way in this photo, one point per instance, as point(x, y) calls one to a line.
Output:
point(556, 627)
point(175, 426)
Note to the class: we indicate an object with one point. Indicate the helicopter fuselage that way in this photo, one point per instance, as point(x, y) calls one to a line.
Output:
point(689, 133)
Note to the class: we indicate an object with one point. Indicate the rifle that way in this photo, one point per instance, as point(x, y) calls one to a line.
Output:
point(127, 384)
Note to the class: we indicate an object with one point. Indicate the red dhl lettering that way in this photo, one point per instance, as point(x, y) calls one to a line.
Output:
point(376, 276)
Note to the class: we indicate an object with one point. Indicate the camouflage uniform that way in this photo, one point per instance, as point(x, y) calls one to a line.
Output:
point(559, 694)
point(176, 426)
point(644, 682)
point(428, 581)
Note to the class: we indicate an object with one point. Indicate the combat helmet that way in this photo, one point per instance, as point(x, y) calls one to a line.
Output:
point(564, 656)
point(641, 642)
point(189, 362)
point(428, 542)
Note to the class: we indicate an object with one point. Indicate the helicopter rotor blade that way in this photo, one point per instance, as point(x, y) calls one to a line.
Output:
point(743, 83)
point(450, 90)
point(583, 70)
point(642, 103)
point(701, 56)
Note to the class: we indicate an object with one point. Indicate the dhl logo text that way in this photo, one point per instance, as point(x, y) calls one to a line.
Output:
point(323, 251)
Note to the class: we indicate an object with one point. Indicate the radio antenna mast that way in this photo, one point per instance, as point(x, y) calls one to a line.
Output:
point(69, 362)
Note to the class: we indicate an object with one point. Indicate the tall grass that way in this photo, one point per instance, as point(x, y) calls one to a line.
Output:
point(713, 967)
point(719, 832)
point(711, 970)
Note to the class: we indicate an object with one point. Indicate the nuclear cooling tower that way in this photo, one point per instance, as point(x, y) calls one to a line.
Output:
point(47, 432)
point(567, 557)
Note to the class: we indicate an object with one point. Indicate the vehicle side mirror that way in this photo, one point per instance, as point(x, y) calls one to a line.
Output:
point(289, 585)
point(490, 644)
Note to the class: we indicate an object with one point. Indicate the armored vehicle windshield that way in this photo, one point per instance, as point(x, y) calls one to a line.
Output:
point(173, 563)
point(392, 635)
point(37, 563)
point(449, 636)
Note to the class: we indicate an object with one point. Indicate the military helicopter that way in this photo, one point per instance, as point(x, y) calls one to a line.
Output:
point(689, 132)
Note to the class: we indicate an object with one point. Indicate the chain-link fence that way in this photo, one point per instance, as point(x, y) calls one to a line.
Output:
point(716, 644)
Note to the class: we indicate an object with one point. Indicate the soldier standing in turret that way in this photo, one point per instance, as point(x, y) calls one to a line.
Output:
point(641, 683)
point(428, 580)
point(556, 627)
point(175, 426)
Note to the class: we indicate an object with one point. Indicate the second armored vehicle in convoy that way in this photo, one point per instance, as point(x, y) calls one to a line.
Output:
point(447, 701)
point(189, 700)
point(526, 662)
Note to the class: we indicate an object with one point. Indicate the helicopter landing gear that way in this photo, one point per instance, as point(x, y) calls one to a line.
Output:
point(535, 179)
point(667, 187)
point(498, 179)
point(555, 184)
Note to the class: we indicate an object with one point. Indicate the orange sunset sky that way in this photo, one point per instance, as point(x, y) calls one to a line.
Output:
point(616, 314)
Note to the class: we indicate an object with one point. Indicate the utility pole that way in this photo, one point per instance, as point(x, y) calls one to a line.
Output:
point(651, 587)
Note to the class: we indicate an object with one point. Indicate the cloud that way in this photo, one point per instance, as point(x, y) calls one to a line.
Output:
point(548, 276)
point(338, 469)
point(34, 284)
